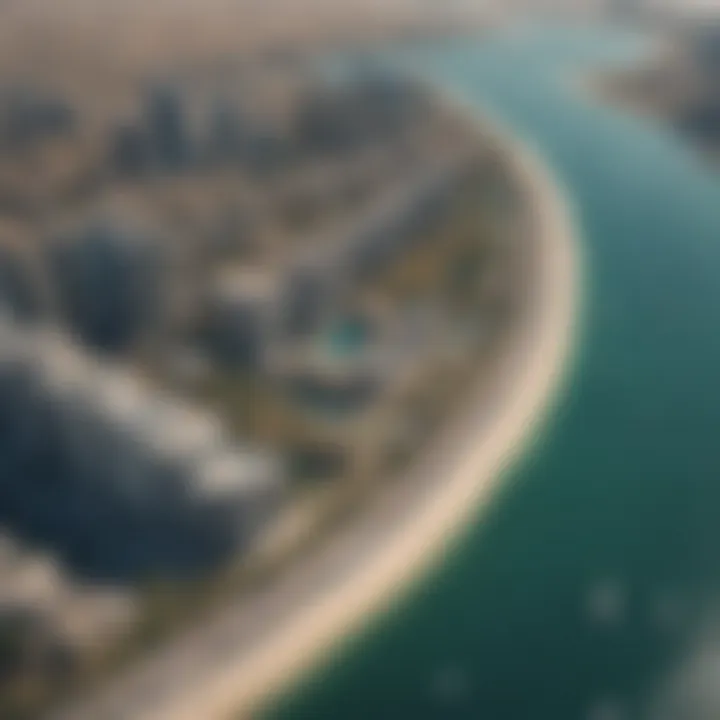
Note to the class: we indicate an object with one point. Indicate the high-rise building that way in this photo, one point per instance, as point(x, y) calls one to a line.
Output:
point(109, 276)
point(225, 132)
point(130, 151)
point(167, 127)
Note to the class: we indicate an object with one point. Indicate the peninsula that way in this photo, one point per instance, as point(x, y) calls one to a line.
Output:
point(272, 328)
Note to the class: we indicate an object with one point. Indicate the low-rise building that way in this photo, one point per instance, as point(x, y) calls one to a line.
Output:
point(242, 315)
point(56, 621)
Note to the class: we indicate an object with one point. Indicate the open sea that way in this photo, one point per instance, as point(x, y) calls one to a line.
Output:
point(590, 590)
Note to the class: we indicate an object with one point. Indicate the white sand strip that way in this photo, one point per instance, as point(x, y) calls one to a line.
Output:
point(260, 645)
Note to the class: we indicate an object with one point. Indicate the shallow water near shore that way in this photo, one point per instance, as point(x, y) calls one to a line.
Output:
point(574, 595)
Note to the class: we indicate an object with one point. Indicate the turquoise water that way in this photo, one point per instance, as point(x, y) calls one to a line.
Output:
point(582, 585)
point(347, 338)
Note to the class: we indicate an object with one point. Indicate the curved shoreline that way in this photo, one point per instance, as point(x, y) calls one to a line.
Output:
point(377, 558)
point(446, 514)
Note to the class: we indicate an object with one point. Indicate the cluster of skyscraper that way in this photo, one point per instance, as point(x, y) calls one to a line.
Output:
point(326, 118)
point(123, 479)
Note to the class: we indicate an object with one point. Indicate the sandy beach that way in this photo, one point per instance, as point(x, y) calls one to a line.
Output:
point(261, 644)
